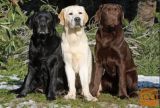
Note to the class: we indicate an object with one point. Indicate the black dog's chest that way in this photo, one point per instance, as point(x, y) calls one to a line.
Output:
point(38, 53)
point(41, 52)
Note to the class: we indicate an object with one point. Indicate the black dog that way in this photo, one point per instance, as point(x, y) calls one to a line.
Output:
point(46, 66)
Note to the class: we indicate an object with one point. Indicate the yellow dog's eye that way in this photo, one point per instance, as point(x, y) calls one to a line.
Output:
point(80, 12)
point(70, 13)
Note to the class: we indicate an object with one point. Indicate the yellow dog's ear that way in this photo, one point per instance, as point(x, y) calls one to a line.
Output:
point(85, 17)
point(61, 17)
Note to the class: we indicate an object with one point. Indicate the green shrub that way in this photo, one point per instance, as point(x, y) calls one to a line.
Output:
point(14, 39)
point(146, 40)
point(12, 30)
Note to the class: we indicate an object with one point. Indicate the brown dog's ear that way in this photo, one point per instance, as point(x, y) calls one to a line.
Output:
point(121, 16)
point(61, 17)
point(85, 17)
point(97, 16)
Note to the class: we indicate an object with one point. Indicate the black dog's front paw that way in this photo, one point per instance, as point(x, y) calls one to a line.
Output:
point(51, 98)
point(21, 95)
point(16, 91)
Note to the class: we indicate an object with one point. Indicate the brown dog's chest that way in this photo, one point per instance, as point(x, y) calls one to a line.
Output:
point(109, 58)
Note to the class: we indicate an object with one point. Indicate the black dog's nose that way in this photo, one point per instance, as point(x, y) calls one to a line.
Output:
point(42, 23)
point(77, 19)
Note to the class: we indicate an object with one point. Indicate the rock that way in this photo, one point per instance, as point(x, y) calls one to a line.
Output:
point(14, 77)
point(28, 104)
point(1, 106)
point(4, 85)
point(148, 81)
point(107, 105)
point(134, 106)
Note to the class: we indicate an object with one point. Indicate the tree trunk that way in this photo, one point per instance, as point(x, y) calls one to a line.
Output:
point(146, 12)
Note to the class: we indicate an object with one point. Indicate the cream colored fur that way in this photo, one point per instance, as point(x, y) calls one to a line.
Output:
point(76, 52)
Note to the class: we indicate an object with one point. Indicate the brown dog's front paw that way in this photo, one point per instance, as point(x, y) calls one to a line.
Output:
point(123, 96)
point(133, 95)
point(94, 92)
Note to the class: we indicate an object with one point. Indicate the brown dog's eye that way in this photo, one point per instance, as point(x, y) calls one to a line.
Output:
point(70, 13)
point(80, 12)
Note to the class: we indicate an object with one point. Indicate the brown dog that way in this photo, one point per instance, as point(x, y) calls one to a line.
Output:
point(115, 68)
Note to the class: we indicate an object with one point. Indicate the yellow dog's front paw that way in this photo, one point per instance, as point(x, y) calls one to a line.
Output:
point(70, 96)
point(91, 98)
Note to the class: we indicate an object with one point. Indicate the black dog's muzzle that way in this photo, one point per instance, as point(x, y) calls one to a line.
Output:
point(43, 27)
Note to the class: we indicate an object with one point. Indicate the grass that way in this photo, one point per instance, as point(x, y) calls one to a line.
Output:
point(104, 99)
point(15, 67)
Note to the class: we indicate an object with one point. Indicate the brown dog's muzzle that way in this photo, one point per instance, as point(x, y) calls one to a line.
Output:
point(113, 19)
point(110, 20)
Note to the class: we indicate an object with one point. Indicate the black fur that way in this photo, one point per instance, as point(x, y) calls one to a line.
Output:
point(46, 66)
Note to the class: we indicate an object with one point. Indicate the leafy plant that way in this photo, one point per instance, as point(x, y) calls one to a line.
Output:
point(12, 22)
point(145, 43)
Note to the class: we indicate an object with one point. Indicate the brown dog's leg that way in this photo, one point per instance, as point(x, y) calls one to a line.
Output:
point(122, 92)
point(109, 84)
point(99, 90)
point(132, 83)
point(97, 79)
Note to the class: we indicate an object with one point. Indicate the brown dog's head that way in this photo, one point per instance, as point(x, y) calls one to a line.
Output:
point(109, 15)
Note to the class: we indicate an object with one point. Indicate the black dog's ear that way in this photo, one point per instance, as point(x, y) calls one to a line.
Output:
point(97, 16)
point(55, 17)
point(29, 21)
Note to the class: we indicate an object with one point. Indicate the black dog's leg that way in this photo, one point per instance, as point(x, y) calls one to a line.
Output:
point(45, 81)
point(52, 84)
point(53, 74)
point(26, 87)
point(62, 85)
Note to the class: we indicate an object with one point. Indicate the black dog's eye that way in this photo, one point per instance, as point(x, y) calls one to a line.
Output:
point(70, 13)
point(80, 12)
point(48, 21)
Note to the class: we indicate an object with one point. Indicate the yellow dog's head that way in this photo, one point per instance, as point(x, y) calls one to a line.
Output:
point(73, 16)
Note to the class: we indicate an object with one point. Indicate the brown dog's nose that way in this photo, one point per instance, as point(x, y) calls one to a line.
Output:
point(77, 19)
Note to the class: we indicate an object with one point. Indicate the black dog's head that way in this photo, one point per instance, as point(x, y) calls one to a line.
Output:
point(43, 23)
